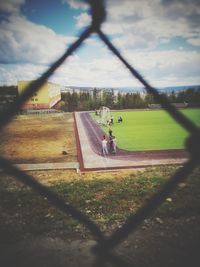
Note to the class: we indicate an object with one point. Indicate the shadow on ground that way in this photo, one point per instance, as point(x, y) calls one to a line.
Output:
point(173, 242)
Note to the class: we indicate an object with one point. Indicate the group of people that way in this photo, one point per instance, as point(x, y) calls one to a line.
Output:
point(109, 145)
point(111, 120)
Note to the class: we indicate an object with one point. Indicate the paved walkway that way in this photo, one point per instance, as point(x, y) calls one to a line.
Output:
point(48, 166)
point(90, 160)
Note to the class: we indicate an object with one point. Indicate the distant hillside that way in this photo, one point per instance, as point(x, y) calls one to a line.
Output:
point(161, 89)
point(179, 88)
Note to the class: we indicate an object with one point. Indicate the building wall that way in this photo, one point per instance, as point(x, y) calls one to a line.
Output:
point(54, 94)
point(48, 95)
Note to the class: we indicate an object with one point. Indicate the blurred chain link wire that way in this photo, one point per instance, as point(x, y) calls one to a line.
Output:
point(105, 245)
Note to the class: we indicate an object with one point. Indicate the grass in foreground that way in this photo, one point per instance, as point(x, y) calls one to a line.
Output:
point(107, 199)
point(150, 130)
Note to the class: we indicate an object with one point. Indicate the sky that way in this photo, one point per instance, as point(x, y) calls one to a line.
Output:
point(160, 38)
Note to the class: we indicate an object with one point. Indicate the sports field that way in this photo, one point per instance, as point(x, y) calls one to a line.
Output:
point(150, 129)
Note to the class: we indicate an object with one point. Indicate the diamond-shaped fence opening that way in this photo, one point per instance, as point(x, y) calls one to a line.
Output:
point(105, 245)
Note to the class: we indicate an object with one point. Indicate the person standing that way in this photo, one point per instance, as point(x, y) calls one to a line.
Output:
point(104, 146)
point(110, 132)
point(111, 120)
point(114, 144)
point(111, 144)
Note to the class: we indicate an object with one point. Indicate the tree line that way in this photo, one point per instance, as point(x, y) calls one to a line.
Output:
point(91, 100)
point(85, 100)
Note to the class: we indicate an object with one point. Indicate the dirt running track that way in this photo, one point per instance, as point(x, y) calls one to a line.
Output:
point(95, 134)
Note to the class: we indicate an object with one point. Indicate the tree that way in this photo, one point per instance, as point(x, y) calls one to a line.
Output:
point(108, 98)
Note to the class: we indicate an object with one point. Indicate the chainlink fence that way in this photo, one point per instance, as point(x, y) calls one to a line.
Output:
point(105, 245)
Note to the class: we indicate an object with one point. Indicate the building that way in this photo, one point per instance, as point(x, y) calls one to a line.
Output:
point(48, 95)
point(8, 94)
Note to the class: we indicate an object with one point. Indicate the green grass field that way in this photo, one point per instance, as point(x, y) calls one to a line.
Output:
point(150, 130)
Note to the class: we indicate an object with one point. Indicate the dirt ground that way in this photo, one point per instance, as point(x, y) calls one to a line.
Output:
point(166, 245)
point(39, 139)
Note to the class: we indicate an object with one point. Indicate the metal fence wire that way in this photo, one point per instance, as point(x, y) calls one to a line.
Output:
point(105, 245)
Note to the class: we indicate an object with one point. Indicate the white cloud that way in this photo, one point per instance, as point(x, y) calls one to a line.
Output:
point(164, 68)
point(194, 41)
point(82, 20)
point(11, 6)
point(130, 10)
point(160, 67)
point(11, 74)
point(163, 19)
point(24, 41)
point(164, 40)
point(76, 4)
point(188, 9)
point(158, 19)
point(136, 27)
point(141, 24)
point(104, 71)
point(133, 40)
